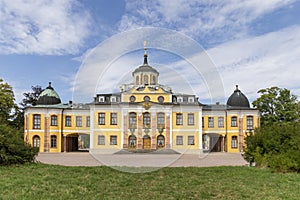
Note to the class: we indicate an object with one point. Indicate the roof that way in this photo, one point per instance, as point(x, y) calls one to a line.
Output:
point(48, 97)
point(145, 67)
point(238, 99)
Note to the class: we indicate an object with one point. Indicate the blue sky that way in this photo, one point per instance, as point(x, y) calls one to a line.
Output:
point(252, 43)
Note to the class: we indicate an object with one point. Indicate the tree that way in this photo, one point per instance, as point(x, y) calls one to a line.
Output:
point(7, 104)
point(276, 104)
point(31, 97)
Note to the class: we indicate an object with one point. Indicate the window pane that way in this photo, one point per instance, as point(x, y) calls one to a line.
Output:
point(210, 122)
point(101, 140)
point(179, 119)
point(234, 142)
point(113, 140)
point(234, 121)
point(221, 122)
point(53, 120)
point(113, 118)
point(53, 141)
point(146, 120)
point(179, 140)
point(78, 121)
point(191, 140)
point(101, 118)
point(161, 119)
point(132, 120)
point(37, 121)
point(68, 121)
point(88, 121)
point(249, 122)
point(191, 119)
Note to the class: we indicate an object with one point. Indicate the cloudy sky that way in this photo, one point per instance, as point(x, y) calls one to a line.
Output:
point(87, 47)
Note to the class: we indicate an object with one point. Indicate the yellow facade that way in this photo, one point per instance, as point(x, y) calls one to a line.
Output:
point(144, 115)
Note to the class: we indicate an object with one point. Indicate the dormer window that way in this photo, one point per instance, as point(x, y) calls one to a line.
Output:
point(179, 99)
point(101, 99)
point(191, 99)
point(113, 99)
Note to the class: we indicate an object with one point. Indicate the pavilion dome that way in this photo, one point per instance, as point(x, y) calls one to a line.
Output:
point(238, 99)
point(48, 97)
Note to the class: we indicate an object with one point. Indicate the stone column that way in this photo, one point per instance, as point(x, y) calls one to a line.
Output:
point(139, 128)
point(154, 128)
point(125, 133)
point(222, 144)
point(241, 135)
point(65, 143)
point(46, 135)
point(168, 138)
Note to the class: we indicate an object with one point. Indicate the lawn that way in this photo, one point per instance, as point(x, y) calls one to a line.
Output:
point(41, 181)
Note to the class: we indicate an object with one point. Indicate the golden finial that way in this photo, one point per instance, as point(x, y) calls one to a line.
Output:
point(145, 48)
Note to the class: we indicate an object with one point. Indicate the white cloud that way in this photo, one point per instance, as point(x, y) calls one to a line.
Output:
point(260, 62)
point(42, 27)
point(210, 21)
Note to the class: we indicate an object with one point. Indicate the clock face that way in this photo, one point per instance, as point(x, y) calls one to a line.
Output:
point(146, 98)
point(160, 99)
point(132, 98)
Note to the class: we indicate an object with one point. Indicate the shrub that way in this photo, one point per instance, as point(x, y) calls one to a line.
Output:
point(275, 146)
point(13, 150)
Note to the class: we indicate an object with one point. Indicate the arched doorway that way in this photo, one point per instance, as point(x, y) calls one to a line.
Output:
point(36, 141)
point(212, 142)
point(160, 141)
point(146, 142)
point(132, 141)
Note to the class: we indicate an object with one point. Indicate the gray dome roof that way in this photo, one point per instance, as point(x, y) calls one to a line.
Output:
point(48, 97)
point(145, 67)
point(238, 99)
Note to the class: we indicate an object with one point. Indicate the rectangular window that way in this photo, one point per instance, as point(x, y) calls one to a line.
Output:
point(113, 118)
point(234, 142)
point(53, 141)
point(101, 140)
point(179, 119)
point(191, 140)
point(78, 121)
point(202, 122)
point(88, 121)
point(68, 121)
point(233, 121)
point(221, 122)
point(53, 120)
point(210, 122)
point(249, 122)
point(101, 118)
point(36, 121)
point(191, 119)
point(179, 140)
point(113, 140)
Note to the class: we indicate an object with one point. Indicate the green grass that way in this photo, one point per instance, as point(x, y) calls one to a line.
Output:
point(40, 181)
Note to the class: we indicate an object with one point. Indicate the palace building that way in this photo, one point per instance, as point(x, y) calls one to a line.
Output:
point(144, 115)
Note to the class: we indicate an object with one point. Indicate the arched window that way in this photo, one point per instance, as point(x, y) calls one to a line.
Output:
point(146, 81)
point(161, 120)
point(132, 120)
point(160, 141)
point(153, 80)
point(146, 120)
point(234, 121)
point(53, 141)
point(137, 80)
point(53, 120)
point(36, 141)
point(132, 141)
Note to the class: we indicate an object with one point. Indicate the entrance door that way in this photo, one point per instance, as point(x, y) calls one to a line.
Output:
point(146, 142)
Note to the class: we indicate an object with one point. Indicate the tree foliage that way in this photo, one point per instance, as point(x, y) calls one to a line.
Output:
point(275, 146)
point(7, 102)
point(276, 104)
point(30, 98)
point(13, 150)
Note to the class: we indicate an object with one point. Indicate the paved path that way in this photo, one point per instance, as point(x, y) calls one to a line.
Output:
point(142, 160)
